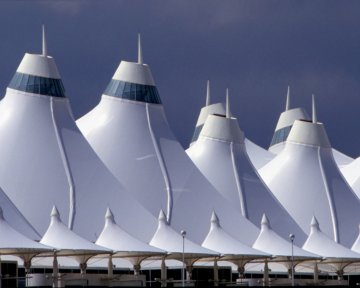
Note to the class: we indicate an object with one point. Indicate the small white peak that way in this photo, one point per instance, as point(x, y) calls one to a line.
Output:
point(227, 104)
point(215, 219)
point(55, 213)
point(162, 217)
point(314, 224)
point(314, 117)
point(109, 214)
point(265, 221)
point(288, 99)
point(208, 93)
point(44, 45)
point(1, 214)
point(140, 56)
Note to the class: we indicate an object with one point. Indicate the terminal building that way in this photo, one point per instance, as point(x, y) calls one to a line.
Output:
point(113, 199)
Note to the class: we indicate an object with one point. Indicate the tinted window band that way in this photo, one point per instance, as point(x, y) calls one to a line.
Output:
point(37, 85)
point(133, 91)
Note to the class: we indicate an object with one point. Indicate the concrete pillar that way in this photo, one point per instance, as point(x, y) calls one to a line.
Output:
point(216, 273)
point(188, 272)
point(137, 269)
point(316, 274)
point(241, 271)
point(340, 274)
point(83, 267)
point(55, 271)
point(163, 277)
point(266, 274)
point(110, 267)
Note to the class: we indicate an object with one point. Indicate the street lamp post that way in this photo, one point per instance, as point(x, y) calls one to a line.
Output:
point(183, 234)
point(292, 237)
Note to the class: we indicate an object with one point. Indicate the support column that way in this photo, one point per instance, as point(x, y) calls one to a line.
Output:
point(137, 269)
point(110, 267)
point(83, 267)
point(316, 274)
point(216, 273)
point(0, 274)
point(55, 271)
point(340, 274)
point(266, 273)
point(27, 265)
point(188, 272)
point(163, 277)
point(241, 271)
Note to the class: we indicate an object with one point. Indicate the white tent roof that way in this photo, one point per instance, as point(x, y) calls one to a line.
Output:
point(321, 244)
point(306, 180)
point(219, 240)
point(136, 132)
point(122, 243)
point(356, 246)
point(166, 238)
point(258, 155)
point(43, 149)
point(14, 243)
point(67, 243)
point(16, 219)
point(352, 175)
point(270, 242)
point(221, 155)
point(285, 122)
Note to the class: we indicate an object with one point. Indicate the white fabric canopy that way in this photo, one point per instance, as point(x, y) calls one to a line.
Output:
point(122, 243)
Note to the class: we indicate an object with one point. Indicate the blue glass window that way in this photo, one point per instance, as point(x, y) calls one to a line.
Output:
point(37, 85)
point(133, 91)
point(280, 135)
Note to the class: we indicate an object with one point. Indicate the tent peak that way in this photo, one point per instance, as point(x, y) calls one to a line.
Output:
point(162, 216)
point(44, 44)
point(215, 219)
point(140, 56)
point(265, 221)
point(109, 215)
point(207, 93)
point(55, 214)
point(314, 224)
point(287, 107)
point(227, 103)
point(314, 117)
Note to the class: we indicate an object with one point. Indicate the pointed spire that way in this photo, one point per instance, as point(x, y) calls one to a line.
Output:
point(288, 99)
point(44, 45)
point(227, 104)
point(314, 224)
point(1, 214)
point(55, 213)
point(265, 223)
point(109, 216)
point(215, 220)
point(208, 93)
point(162, 217)
point(140, 57)
point(314, 117)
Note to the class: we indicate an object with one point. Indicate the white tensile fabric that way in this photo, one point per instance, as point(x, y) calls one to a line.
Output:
point(229, 248)
point(221, 155)
point(270, 242)
point(166, 238)
point(13, 242)
point(122, 243)
point(306, 180)
point(68, 243)
point(45, 152)
point(135, 142)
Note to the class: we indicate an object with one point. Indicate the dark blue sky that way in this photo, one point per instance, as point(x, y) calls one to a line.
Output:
point(255, 48)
